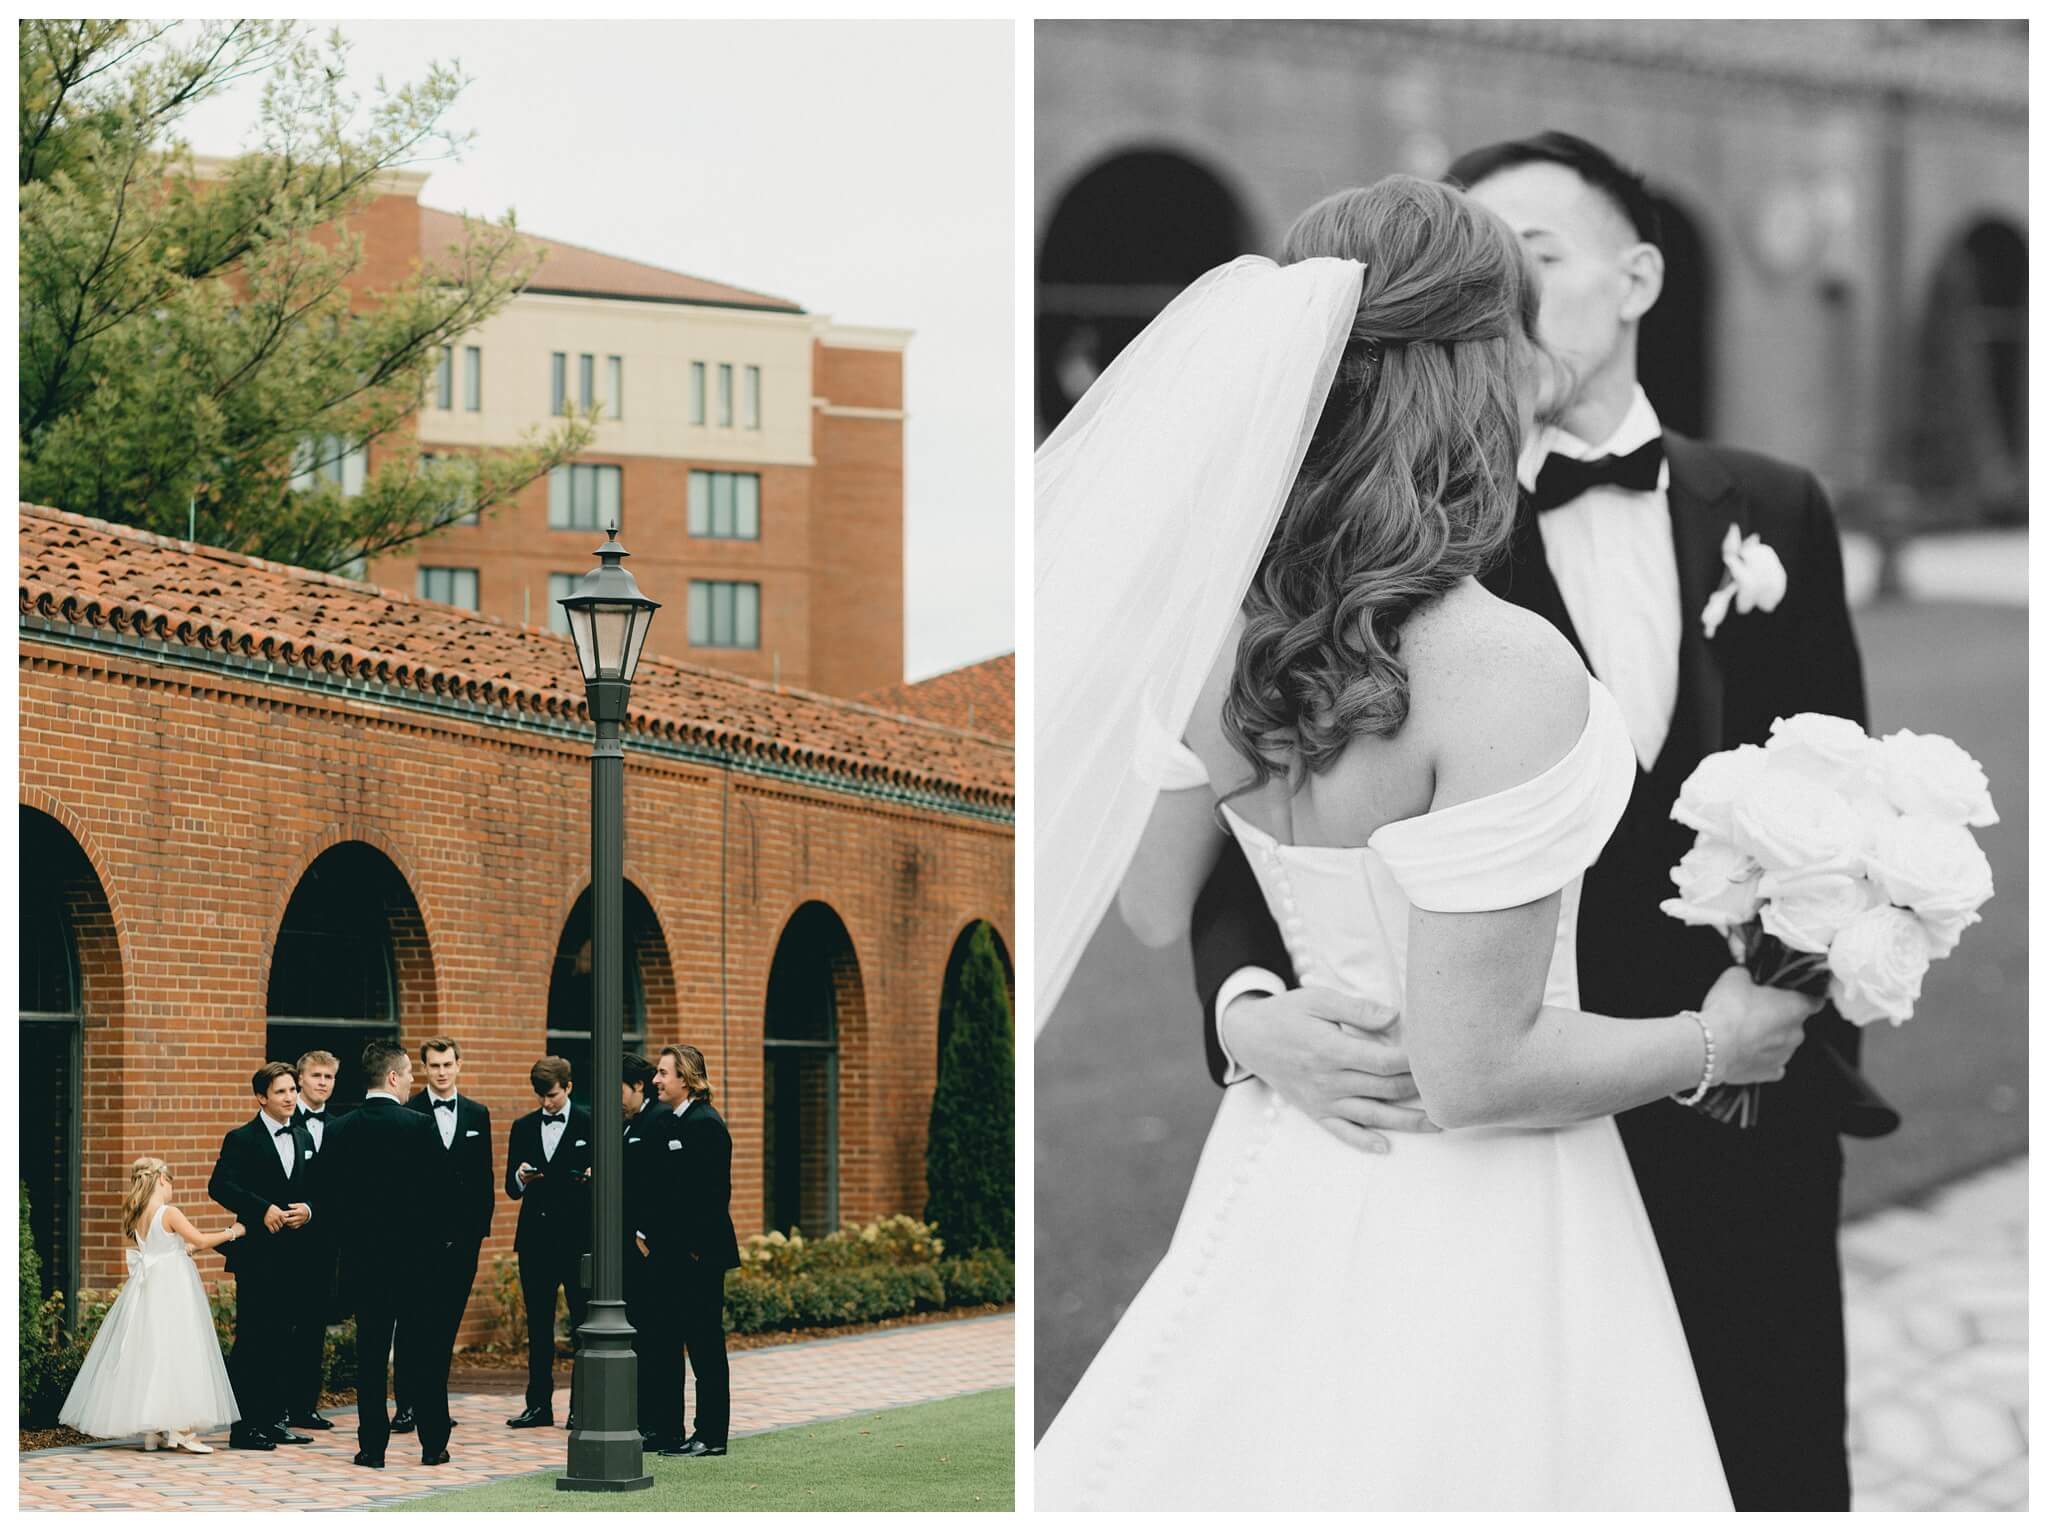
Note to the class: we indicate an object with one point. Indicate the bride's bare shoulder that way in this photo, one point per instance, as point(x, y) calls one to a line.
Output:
point(1496, 694)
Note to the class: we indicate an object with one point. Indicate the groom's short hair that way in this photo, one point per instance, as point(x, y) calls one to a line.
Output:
point(1588, 161)
point(381, 1059)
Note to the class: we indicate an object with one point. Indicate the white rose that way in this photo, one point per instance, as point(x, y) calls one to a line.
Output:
point(1787, 823)
point(1706, 801)
point(1717, 886)
point(1878, 960)
point(1832, 751)
point(1937, 870)
point(1935, 776)
point(1945, 930)
point(1807, 912)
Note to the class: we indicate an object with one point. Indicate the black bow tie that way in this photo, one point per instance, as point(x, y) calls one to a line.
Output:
point(281, 1132)
point(317, 1114)
point(545, 1119)
point(444, 1105)
point(1564, 479)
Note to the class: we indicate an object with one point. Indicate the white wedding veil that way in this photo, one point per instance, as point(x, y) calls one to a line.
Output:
point(1156, 498)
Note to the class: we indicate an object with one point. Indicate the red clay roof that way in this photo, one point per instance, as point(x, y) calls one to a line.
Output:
point(571, 268)
point(90, 573)
point(977, 698)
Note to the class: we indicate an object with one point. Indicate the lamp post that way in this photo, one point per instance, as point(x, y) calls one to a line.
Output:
point(608, 618)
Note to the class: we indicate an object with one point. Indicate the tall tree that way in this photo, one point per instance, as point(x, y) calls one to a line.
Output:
point(196, 349)
point(970, 1156)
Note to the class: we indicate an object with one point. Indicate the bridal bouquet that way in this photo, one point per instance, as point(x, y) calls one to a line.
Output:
point(1835, 863)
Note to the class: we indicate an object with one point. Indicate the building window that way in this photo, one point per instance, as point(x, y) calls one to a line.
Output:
point(584, 495)
point(332, 460)
point(615, 387)
point(725, 393)
point(444, 378)
point(725, 505)
point(451, 587)
point(586, 379)
point(725, 614)
point(751, 400)
point(559, 586)
point(458, 493)
point(472, 379)
point(558, 384)
point(696, 393)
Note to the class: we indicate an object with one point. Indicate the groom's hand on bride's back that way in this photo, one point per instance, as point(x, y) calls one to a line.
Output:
point(1331, 1055)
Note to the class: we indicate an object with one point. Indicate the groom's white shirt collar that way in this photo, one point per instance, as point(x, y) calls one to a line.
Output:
point(381, 1095)
point(1638, 424)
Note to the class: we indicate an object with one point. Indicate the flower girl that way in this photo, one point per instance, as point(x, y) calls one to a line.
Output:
point(155, 1364)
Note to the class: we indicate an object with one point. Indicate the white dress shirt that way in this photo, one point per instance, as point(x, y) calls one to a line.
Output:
point(1611, 553)
point(551, 1134)
point(316, 1124)
point(444, 1121)
point(283, 1145)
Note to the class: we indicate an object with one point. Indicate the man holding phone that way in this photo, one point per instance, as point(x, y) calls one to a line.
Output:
point(547, 1171)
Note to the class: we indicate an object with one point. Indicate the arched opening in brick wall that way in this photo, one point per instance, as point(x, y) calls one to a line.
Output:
point(351, 964)
point(950, 990)
point(1122, 240)
point(815, 996)
point(1972, 424)
point(650, 987)
point(69, 981)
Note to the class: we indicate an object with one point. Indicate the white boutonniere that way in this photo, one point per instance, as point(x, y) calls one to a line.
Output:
point(1755, 580)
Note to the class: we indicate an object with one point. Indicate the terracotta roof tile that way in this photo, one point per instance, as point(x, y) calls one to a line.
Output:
point(977, 698)
point(91, 573)
point(571, 268)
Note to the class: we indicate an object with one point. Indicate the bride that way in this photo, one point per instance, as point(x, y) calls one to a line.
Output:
point(1258, 615)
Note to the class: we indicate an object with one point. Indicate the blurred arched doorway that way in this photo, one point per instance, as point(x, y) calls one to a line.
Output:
point(1674, 351)
point(1122, 240)
point(650, 990)
point(1973, 374)
point(814, 994)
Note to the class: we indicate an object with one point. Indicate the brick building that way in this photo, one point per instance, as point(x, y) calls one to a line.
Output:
point(264, 809)
point(980, 698)
point(1844, 207)
point(751, 452)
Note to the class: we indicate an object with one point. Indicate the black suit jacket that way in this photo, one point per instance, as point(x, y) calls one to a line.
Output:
point(646, 1137)
point(554, 1211)
point(1634, 959)
point(248, 1179)
point(691, 1215)
point(473, 1187)
point(387, 1176)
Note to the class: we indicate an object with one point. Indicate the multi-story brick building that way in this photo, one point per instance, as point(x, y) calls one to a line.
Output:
point(750, 452)
point(264, 809)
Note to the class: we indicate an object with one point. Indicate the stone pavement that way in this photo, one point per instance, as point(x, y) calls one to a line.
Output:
point(771, 1388)
point(1937, 1318)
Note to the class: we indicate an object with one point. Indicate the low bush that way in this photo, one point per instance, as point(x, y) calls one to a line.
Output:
point(889, 1268)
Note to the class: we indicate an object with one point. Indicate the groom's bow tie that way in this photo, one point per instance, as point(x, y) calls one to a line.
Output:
point(545, 1118)
point(1564, 479)
point(444, 1105)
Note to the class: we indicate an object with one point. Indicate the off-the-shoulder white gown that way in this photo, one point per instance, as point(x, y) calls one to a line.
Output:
point(1478, 1319)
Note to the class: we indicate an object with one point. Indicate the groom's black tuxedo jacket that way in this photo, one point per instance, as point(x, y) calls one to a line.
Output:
point(554, 1210)
point(389, 1180)
point(1746, 1220)
point(473, 1183)
point(248, 1179)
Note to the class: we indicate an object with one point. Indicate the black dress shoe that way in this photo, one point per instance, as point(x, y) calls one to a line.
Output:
point(314, 1421)
point(285, 1437)
point(695, 1446)
point(364, 1459)
point(532, 1419)
point(249, 1440)
point(402, 1423)
point(433, 1459)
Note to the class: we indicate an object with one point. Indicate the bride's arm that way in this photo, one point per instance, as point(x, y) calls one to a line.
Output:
point(182, 1226)
point(1183, 838)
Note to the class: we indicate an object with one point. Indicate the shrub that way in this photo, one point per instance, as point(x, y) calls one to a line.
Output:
point(508, 1304)
point(32, 1345)
point(972, 1280)
point(971, 1147)
point(884, 1269)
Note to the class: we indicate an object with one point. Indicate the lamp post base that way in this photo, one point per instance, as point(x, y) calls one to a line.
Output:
point(605, 1449)
point(603, 1485)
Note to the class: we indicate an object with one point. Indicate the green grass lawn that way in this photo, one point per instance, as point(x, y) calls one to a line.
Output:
point(956, 1454)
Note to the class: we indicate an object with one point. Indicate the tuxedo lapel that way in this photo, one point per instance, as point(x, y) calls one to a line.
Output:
point(1701, 499)
point(1523, 575)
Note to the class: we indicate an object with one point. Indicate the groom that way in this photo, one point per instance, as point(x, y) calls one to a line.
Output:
point(1617, 542)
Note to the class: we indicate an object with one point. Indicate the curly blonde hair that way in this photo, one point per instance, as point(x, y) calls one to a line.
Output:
point(1409, 482)
point(144, 1176)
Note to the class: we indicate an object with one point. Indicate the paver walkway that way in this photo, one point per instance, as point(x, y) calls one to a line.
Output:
point(1937, 1317)
point(771, 1388)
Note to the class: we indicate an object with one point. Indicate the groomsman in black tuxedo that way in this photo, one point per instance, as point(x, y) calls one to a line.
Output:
point(645, 1136)
point(317, 1071)
point(689, 1233)
point(460, 1227)
point(1618, 543)
point(390, 1178)
point(547, 1171)
point(265, 1175)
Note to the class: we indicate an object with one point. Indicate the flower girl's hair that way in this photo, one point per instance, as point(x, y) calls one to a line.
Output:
point(144, 1175)
point(1409, 482)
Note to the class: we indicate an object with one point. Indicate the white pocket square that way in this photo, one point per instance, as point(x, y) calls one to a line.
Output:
point(585, 1142)
point(471, 1133)
point(674, 1145)
point(632, 1140)
point(311, 1151)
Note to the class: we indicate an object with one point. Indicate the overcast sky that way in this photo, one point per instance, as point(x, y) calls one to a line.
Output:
point(863, 169)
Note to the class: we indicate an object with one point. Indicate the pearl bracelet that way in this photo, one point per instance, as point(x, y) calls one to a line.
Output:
point(1706, 1072)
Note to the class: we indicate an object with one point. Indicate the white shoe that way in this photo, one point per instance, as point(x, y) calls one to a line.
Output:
point(185, 1440)
point(152, 1439)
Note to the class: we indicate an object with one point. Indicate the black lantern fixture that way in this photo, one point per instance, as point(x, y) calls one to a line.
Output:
point(608, 618)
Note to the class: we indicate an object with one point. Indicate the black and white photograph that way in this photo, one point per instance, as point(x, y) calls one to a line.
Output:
point(1529, 800)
